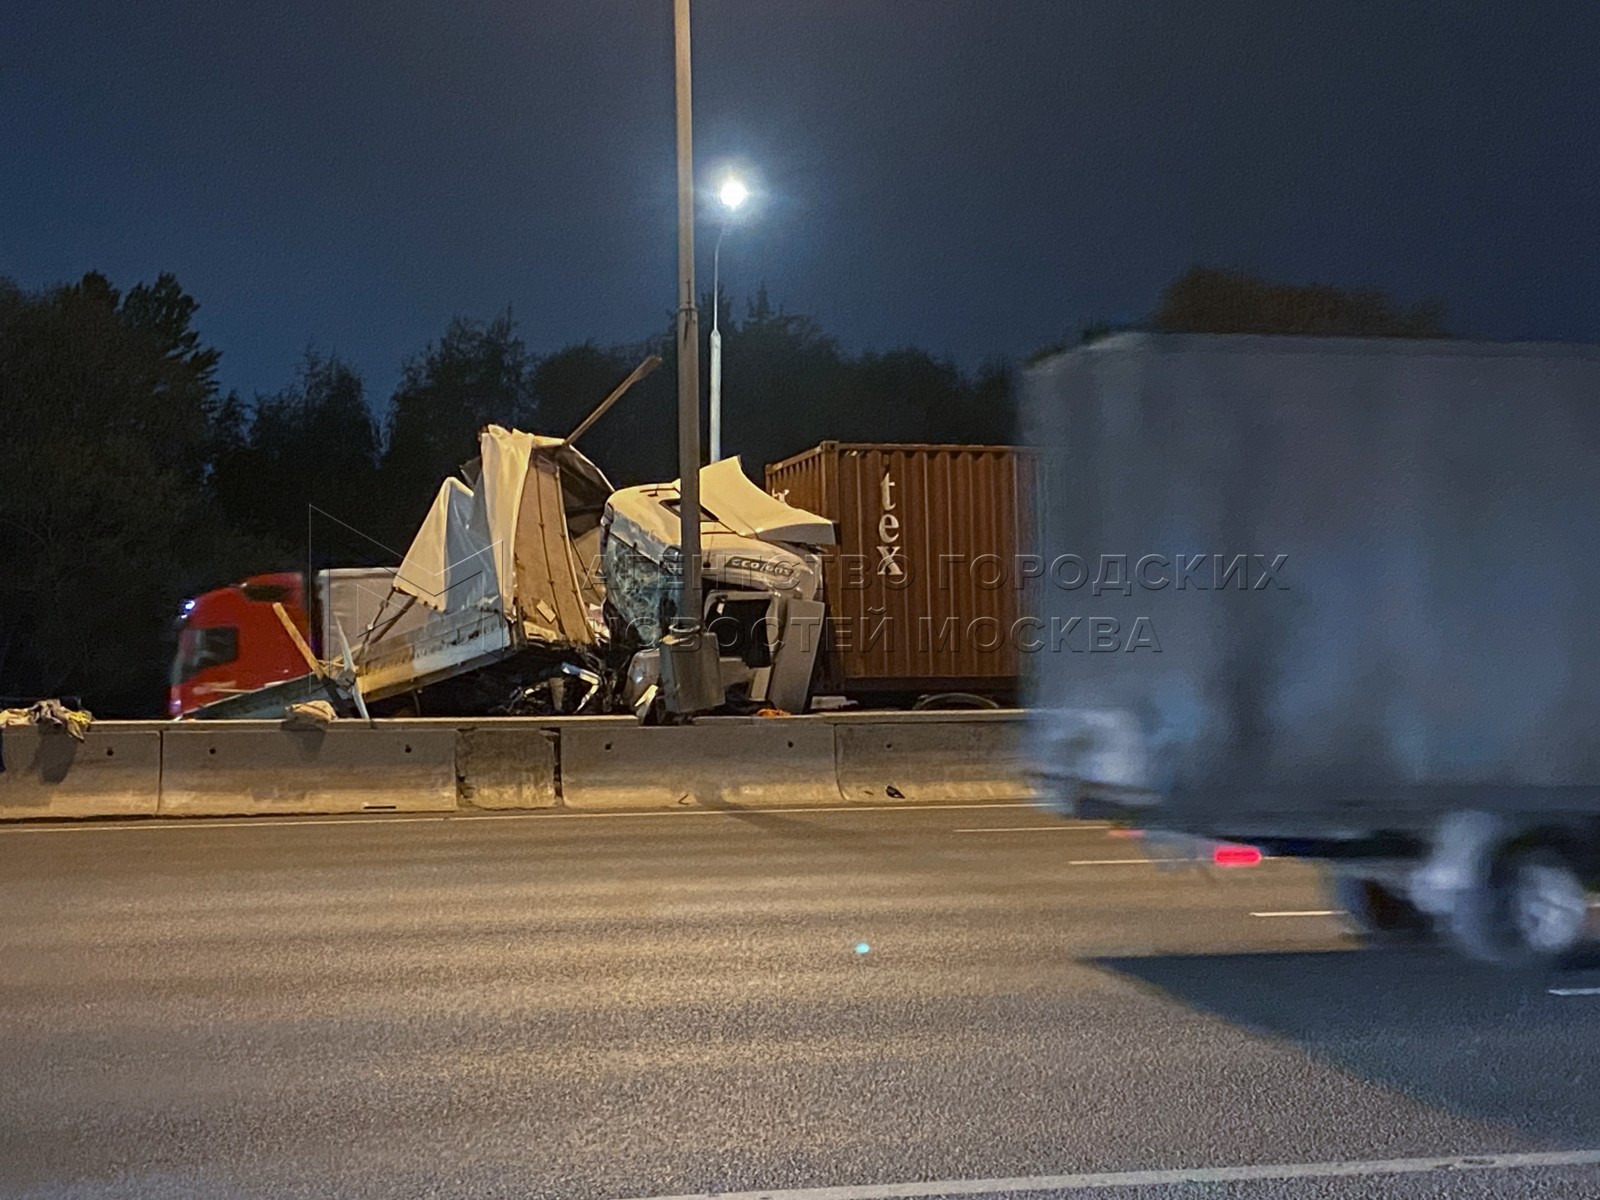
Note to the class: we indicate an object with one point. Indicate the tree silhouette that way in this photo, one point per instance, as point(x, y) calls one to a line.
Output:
point(478, 373)
point(1210, 300)
point(636, 441)
point(106, 410)
point(303, 463)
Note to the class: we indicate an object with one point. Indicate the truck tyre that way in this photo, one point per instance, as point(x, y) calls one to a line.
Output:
point(952, 702)
point(1381, 914)
point(1530, 910)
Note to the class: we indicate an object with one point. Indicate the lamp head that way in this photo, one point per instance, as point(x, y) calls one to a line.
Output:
point(733, 193)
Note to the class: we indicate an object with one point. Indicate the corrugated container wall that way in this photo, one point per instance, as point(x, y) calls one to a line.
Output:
point(930, 574)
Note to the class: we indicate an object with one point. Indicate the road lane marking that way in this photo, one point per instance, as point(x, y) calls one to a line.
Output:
point(1175, 1178)
point(1038, 828)
point(1588, 991)
point(1309, 912)
point(1128, 862)
point(544, 814)
point(565, 815)
point(1339, 912)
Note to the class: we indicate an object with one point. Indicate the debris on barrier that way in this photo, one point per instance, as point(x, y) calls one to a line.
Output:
point(314, 714)
point(50, 714)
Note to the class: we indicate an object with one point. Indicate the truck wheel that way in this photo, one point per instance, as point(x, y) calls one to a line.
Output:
point(1531, 910)
point(1380, 913)
point(951, 702)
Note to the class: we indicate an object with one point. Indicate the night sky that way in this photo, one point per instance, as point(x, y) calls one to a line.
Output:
point(972, 176)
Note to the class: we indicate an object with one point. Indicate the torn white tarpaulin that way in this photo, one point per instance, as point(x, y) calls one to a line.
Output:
point(451, 564)
point(505, 455)
point(510, 543)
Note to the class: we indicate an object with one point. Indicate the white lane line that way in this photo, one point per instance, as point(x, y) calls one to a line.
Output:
point(1339, 912)
point(1124, 862)
point(1118, 1179)
point(1061, 828)
point(380, 818)
point(1590, 991)
point(565, 815)
point(1309, 912)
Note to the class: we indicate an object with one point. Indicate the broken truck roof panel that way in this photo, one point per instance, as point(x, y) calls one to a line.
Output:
point(507, 543)
point(548, 578)
point(729, 497)
point(737, 518)
point(640, 519)
point(584, 487)
point(739, 536)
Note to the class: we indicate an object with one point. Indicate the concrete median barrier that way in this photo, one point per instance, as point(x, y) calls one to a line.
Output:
point(506, 766)
point(247, 767)
point(238, 768)
point(774, 763)
point(932, 758)
point(114, 772)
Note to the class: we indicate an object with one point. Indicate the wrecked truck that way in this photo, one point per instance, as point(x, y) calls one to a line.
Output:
point(492, 609)
point(533, 588)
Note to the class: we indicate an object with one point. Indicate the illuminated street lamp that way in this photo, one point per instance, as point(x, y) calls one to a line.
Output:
point(732, 193)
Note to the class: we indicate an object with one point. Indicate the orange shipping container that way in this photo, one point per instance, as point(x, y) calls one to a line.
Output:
point(931, 572)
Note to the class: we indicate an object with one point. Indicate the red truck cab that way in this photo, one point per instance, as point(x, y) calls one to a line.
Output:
point(230, 641)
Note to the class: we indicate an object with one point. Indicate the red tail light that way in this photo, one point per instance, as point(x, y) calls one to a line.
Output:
point(1236, 856)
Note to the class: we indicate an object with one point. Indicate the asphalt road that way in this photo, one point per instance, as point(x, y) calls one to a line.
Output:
point(641, 1006)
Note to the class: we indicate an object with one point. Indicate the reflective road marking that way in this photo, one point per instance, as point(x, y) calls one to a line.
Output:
point(1062, 828)
point(1309, 912)
point(1116, 1179)
point(1129, 862)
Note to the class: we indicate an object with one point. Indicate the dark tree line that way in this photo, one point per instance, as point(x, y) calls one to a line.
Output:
point(786, 385)
point(1214, 300)
point(129, 481)
point(109, 416)
point(1211, 300)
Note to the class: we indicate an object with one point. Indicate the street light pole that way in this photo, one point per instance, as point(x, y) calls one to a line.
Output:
point(716, 347)
point(689, 660)
point(732, 194)
point(688, 334)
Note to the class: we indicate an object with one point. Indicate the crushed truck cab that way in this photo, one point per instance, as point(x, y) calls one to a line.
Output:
point(762, 584)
